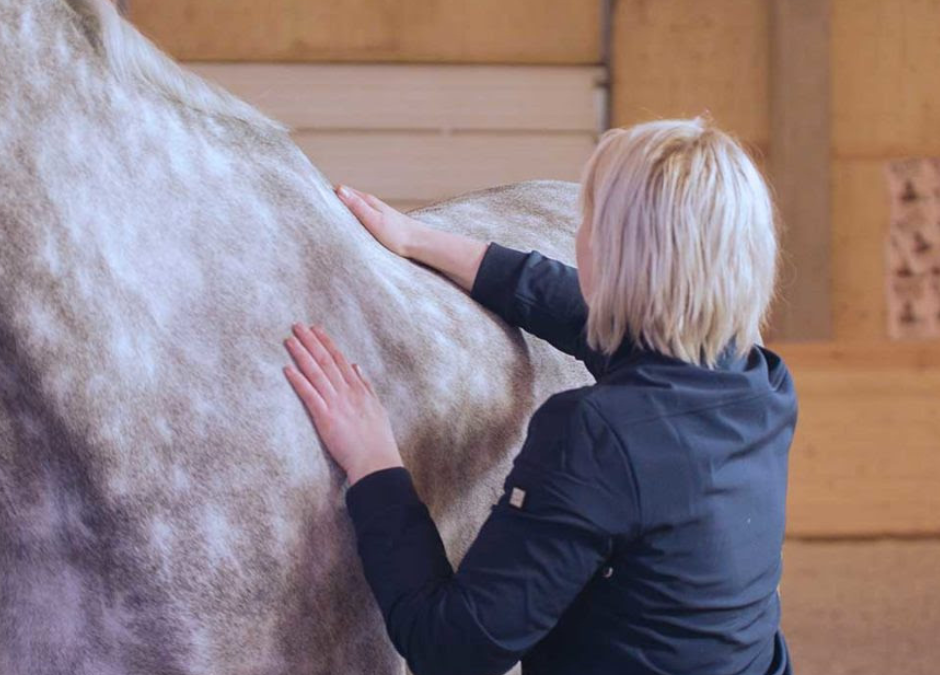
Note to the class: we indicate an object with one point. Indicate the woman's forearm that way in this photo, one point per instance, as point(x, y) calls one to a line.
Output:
point(456, 256)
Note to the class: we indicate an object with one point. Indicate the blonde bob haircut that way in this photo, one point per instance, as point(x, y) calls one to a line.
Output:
point(683, 239)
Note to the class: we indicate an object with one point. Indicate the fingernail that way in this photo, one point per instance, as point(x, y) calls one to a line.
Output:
point(343, 192)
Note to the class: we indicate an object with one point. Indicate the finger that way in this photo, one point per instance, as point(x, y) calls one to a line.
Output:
point(307, 393)
point(341, 363)
point(362, 378)
point(310, 369)
point(320, 354)
point(371, 199)
point(356, 203)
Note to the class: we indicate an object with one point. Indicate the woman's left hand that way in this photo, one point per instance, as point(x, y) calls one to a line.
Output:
point(348, 415)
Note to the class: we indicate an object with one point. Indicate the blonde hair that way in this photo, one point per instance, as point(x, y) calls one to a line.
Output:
point(683, 233)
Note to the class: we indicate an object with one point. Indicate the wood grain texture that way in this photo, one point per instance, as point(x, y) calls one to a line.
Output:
point(416, 133)
point(860, 213)
point(408, 167)
point(417, 96)
point(454, 31)
point(799, 161)
point(866, 457)
point(885, 56)
point(862, 608)
point(677, 58)
point(885, 105)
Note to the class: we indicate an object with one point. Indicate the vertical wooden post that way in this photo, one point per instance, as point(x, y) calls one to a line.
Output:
point(799, 165)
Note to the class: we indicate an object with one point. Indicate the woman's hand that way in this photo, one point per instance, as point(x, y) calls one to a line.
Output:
point(394, 230)
point(454, 255)
point(348, 415)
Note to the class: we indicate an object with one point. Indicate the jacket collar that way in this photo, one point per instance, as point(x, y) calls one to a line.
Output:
point(630, 353)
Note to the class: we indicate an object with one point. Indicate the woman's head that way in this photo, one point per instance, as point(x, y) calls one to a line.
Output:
point(677, 249)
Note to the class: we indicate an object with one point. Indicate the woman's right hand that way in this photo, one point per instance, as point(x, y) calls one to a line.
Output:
point(393, 229)
point(456, 256)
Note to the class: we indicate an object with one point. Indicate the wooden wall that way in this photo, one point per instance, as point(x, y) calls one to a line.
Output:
point(886, 104)
point(859, 392)
point(860, 591)
point(417, 133)
point(679, 58)
point(441, 31)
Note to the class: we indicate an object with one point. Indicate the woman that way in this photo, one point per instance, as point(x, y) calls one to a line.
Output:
point(641, 526)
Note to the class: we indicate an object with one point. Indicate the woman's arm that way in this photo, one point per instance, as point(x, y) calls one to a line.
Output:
point(570, 492)
point(545, 539)
point(536, 293)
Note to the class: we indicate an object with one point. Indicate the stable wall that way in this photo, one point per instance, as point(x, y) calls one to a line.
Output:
point(440, 31)
point(680, 58)
point(858, 593)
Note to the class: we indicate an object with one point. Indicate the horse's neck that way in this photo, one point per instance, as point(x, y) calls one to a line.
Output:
point(130, 152)
point(141, 216)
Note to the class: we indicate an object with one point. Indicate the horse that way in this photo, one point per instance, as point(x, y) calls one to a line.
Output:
point(165, 503)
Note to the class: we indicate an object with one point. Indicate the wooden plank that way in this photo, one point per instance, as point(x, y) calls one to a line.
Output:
point(874, 356)
point(886, 101)
point(455, 31)
point(799, 163)
point(419, 96)
point(862, 608)
point(415, 167)
point(860, 218)
point(866, 456)
point(679, 58)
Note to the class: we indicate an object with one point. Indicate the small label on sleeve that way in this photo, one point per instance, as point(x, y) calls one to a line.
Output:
point(517, 497)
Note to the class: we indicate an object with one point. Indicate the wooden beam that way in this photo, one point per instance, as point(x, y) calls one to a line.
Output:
point(799, 165)
point(443, 31)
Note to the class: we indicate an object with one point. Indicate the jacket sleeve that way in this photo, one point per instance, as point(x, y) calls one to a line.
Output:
point(566, 497)
point(539, 295)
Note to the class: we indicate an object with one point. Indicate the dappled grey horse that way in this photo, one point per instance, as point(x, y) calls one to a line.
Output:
point(165, 505)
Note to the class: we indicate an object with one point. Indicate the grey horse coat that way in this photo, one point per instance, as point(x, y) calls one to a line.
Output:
point(165, 504)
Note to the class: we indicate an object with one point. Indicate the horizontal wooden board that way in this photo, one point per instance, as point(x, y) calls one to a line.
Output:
point(481, 31)
point(885, 97)
point(866, 456)
point(679, 58)
point(862, 608)
point(419, 167)
point(420, 96)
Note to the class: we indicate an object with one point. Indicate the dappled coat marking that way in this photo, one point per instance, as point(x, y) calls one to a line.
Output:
point(165, 506)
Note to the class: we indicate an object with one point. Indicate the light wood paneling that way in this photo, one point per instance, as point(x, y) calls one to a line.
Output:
point(885, 64)
point(866, 457)
point(402, 166)
point(677, 58)
point(862, 607)
point(400, 97)
point(885, 105)
point(457, 31)
point(860, 213)
point(799, 160)
point(417, 133)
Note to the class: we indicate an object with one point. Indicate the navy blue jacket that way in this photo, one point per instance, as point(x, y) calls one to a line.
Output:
point(639, 531)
